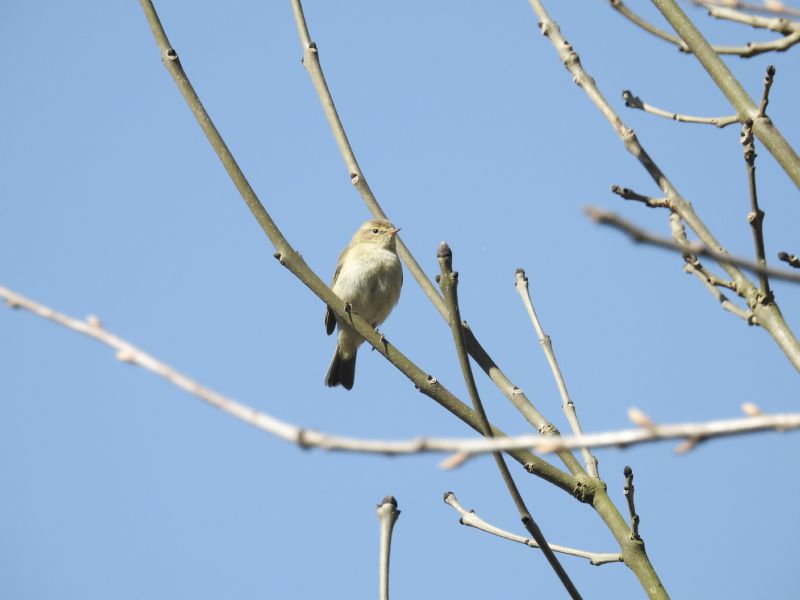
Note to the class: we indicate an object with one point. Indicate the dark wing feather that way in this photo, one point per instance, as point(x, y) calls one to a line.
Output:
point(330, 316)
point(330, 320)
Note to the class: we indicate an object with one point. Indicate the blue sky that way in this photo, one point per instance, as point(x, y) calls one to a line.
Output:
point(469, 130)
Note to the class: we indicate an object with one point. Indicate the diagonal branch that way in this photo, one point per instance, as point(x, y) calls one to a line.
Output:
point(763, 128)
point(448, 281)
point(293, 261)
point(512, 392)
point(567, 405)
point(641, 236)
point(471, 519)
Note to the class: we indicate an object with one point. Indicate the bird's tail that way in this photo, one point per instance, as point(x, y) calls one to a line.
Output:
point(342, 371)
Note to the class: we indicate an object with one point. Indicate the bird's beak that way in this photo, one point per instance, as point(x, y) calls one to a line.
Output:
point(393, 230)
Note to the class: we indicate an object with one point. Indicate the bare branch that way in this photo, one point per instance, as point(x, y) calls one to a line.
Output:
point(293, 261)
point(773, 7)
point(756, 216)
point(448, 281)
point(628, 491)
point(471, 519)
point(512, 392)
point(629, 194)
point(789, 29)
point(521, 285)
point(764, 129)
point(309, 438)
point(632, 101)
point(639, 235)
point(711, 283)
point(387, 514)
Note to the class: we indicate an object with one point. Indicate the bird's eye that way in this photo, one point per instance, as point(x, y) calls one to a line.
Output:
point(375, 230)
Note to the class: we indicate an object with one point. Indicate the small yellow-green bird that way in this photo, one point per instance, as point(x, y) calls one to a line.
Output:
point(369, 278)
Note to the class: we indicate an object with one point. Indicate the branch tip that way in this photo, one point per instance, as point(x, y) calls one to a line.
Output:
point(388, 500)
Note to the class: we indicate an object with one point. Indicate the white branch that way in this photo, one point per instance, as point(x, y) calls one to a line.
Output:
point(471, 519)
point(649, 432)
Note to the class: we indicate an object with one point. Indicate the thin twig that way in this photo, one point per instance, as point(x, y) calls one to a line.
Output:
point(763, 128)
point(471, 519)
point(756, 216)
point(632, 101)
point(789, 29)
point(711, 282)
point(773, 7)
point(628, 491)
point(769, 78)
point(708, 280)
point(512, 392)
point(567, 405)
point(767, 315)
point(387, 514)
point(638, 235)
point(629, 194)
point(791, 259)
point(448, 281)
point(309, 438)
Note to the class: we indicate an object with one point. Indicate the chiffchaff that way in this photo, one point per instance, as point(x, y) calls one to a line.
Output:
point(368, 278)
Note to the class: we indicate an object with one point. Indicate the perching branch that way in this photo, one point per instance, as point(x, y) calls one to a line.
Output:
point(471, 519)
point(567, 405)
point(632, 101)
point(387, 514)
point(448, 281)
point(512, 392)
point(641, 236)
point(293, 261)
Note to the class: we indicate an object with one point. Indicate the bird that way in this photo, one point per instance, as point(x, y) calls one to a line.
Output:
point(368, 278)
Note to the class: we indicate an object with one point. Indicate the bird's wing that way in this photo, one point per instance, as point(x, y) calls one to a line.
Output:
point(330, 316)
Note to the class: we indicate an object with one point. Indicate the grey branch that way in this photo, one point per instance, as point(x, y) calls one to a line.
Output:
point(789, 29)
point(773, 7)
point(309, 438)
point(628, 491)
point(632, 101)
point(387, 514)
point(448, 281)
point(638, 235)
point(471, 519)
point(513, 393)
point(712, 284)
point(294, 262)
point(567, 405)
